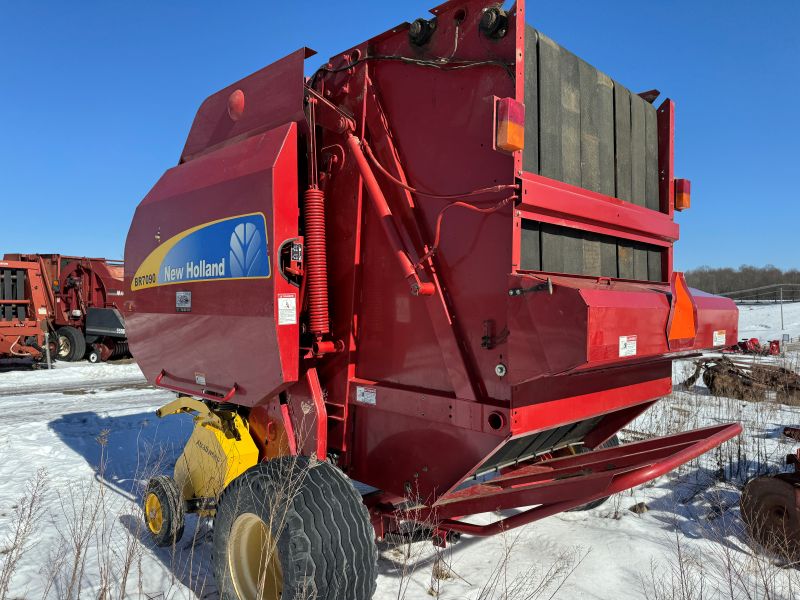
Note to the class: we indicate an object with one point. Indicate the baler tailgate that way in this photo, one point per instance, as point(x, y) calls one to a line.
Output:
point(559, 484)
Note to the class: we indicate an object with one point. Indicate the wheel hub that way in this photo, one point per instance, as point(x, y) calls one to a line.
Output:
point(64, 347)
point(253, 560)
point(154, 513)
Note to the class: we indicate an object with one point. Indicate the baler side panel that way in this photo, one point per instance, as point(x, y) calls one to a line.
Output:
point(235, 319)
point(270, 97)
point(591, 324)
point(418, 445)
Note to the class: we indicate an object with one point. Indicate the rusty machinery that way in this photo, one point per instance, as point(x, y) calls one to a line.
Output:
point(84, 305)
point(770, 507)
point(23, 310)
point(770, 504)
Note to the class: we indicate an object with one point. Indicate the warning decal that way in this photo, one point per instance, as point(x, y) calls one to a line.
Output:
point(287, 309)
point(366, 395)
point(627, 345)
point(719, 337)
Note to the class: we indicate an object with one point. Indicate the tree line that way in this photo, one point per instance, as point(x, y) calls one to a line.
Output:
point(722, 280)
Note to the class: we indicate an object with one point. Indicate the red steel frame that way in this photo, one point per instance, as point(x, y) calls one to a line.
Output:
point(100, 280)
point(405, 393)
point(553, 486)
point(14, 333)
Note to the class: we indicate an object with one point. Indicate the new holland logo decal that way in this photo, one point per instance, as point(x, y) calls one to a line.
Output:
point(232, 248)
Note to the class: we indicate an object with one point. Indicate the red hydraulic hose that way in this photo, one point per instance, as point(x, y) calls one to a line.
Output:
point(440, 216)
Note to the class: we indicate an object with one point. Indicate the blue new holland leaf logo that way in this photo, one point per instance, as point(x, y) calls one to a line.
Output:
point(246, 254)
point(231, 248)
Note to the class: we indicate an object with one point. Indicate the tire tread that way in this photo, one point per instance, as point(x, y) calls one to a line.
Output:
point(326, 541)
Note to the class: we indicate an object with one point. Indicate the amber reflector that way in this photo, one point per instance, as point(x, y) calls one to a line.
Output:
point(683, 194)
point(510, 125)
point(682, 325)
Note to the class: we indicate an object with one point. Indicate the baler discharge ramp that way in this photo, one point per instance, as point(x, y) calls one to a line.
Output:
point(440, 266)
point(559, 484)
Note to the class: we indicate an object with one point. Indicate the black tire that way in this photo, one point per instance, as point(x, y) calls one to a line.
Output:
point(93, 356)
point(71, 344)
point(610, 443)
point(166, 529)
point(310, 513)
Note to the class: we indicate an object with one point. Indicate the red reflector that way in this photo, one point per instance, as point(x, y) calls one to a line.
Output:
point(510, 130)
point(683, 194)
point(236, 105)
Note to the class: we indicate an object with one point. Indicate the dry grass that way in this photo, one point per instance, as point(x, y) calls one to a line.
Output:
point(411, 555)
point(733, 567)
point(18, 541)
point(731, 563)
point(101, 538)
point(535, 582)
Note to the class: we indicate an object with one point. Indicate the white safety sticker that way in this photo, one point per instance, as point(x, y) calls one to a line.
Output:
point(200, 378)
point(366, 395)
point(287, 309)
point(627, 345)
point(183, 301)
point(719, 337)
point(42, 310)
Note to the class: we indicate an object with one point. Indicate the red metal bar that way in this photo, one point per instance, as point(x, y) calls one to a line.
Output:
point(321, 413)
point(616, 461)
point(159, 382)
point(666, 156)
point(291, 437)
point(48, 287)
point(584, 207)
point(387, 221)
point(666, 170)
point(558, 495)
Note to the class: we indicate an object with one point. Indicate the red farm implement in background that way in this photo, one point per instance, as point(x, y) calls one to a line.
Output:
point(771, 507)
point(23, 310)
point(441, 265)
point(84, 300)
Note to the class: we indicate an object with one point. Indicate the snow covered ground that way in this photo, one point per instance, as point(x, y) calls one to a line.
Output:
point(91, 434)
point(764, 321)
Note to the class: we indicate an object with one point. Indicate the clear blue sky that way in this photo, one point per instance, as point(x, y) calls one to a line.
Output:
point(96, 99)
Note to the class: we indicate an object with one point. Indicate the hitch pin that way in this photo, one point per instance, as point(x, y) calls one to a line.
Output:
point(547, 285)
